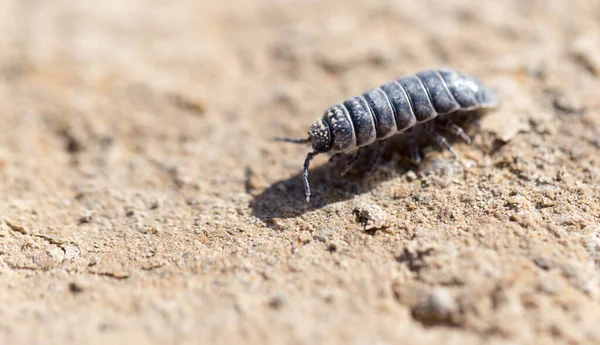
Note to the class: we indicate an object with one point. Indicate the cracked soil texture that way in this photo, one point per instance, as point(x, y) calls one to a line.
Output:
point(143, 201)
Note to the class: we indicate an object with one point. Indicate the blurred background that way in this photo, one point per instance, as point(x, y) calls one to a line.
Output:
point(135, 141)
point(215, 81)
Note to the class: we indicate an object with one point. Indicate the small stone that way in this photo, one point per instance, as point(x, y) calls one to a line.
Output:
point(372, 217)
point(524, 219)
point(94, 261)
point(71, 251)
point(155, 204)
point(550, 285)
point(86, 217)
point(519, 202)
point(410, 176)
point(436, 308)
point(568, 103)
point(305, 237)
point(152, 230)
point(543, 263)
point(276, 302)
point(76, 287)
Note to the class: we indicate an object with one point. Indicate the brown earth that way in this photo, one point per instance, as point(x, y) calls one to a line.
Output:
point(142, 199)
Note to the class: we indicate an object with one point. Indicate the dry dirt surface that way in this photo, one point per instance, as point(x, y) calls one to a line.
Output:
point(143, 201)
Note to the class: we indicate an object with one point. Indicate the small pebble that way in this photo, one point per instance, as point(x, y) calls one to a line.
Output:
point(155, 204)
point(76, 287)
point(276, 302)
point(436, 308)
point(86, 217)
point(372, 217)
point(410, 176)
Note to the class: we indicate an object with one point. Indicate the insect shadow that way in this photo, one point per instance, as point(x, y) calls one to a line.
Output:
point(284, 199)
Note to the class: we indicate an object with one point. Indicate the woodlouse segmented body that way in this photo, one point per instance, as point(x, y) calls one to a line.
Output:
point(393, 108)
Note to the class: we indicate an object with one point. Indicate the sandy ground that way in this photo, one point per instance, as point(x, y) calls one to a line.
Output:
point(142, 200)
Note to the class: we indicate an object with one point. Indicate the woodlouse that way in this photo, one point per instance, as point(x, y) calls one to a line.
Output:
point(394, 108)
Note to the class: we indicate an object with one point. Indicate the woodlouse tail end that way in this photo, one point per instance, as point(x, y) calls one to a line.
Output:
point(488, 98)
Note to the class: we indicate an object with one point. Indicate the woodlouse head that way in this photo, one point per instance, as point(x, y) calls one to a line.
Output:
point(320, 136)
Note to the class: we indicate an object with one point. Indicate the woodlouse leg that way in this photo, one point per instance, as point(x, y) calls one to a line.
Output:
point(458, 131)
point(443, 142)
point(351, 163)
point(305, 174)
point(415, 155)
point(334, 157)
point(378, 156)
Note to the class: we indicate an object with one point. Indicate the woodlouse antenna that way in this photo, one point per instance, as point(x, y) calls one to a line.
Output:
point(292, 140)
